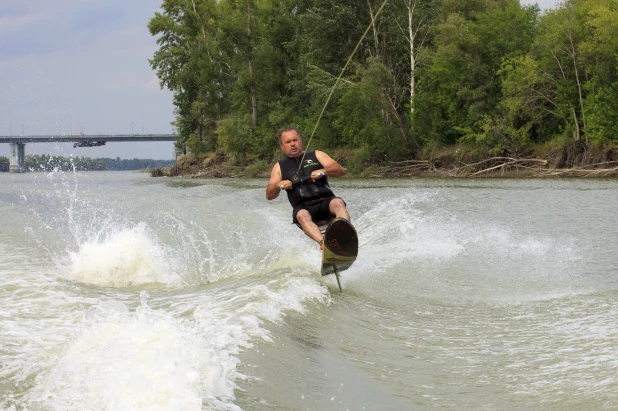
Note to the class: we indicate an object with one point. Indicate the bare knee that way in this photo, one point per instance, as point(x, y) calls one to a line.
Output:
point(303, 217)
point(338, 208)
point(336, 204)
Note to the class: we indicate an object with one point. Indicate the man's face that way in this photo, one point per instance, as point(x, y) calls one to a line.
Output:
point(291, 144)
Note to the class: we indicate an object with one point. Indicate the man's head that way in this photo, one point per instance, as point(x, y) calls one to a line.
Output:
point(291, 142)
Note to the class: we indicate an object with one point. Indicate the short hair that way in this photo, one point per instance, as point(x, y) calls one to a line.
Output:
point(285, 130)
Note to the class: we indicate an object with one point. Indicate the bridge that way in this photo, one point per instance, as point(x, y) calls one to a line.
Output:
point(18, 143)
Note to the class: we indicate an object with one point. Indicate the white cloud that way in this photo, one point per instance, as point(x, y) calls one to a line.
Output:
point(152, 84)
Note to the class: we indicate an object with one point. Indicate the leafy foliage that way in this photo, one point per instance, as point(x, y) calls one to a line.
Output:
point(4, 164)
point(45, 162)
point(491, 74)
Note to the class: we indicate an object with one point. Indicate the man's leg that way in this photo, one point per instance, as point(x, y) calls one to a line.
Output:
point(309, 228)
point(337, 207)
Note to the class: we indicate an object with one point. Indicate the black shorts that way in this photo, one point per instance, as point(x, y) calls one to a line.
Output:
point(318, 209)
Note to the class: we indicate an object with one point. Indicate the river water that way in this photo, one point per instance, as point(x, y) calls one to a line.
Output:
point(119, 291)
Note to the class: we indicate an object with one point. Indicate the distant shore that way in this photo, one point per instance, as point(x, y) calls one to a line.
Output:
point(496, 167)
point(573, 161)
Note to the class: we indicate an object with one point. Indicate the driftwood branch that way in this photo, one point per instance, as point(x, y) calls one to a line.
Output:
point(406, 168)
point(509, 162)
point(522, 167)
point(580, 172)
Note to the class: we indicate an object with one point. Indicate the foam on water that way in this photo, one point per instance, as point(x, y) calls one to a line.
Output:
point(412, 238)
point(103, 241)
point(183, 357)
point(121, 258)
point(141, 360)
point(98, 242)
point(90, 349)
point(484, 312)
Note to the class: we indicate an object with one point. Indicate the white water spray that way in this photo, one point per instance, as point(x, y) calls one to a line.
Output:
point(123, 258)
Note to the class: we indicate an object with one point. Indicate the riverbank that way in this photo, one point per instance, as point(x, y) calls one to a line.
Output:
point(574, 160)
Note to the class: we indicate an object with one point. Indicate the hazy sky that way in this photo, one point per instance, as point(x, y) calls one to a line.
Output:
point(543, 4)
point(82, 65)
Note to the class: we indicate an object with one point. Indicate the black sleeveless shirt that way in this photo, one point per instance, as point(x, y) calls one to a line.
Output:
point(303, 189)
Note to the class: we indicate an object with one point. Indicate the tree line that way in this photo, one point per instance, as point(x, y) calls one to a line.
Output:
point(45, 162)
point(490, 74)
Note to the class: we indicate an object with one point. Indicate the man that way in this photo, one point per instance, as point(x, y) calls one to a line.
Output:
point(303, 175)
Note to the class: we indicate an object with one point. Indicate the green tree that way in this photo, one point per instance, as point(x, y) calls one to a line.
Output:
point(235, 137)
point(262, 33)
point(600, 49)
point(4, 164)
point(191, 63)
point(366, 117)
point(461, 90)
point(545, 91)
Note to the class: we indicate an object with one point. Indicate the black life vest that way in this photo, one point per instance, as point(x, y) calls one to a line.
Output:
point(303, 188)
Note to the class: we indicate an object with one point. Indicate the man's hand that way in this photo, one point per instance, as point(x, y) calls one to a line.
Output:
point(285, 185)
point(317, 174)
point(331, 167)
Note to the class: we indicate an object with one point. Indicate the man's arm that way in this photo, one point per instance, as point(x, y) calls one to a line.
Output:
point(274, 184)
point(331, 167)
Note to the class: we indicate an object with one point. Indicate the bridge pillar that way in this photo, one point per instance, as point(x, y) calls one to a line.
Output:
point(18, 158)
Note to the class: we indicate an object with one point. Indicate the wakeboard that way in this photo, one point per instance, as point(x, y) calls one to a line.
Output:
point(340, 247)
